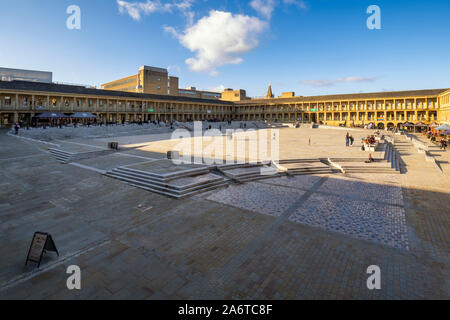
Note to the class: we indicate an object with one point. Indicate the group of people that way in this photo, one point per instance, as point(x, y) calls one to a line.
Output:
point(437, 137)
point(370, 140)
point(349, 140)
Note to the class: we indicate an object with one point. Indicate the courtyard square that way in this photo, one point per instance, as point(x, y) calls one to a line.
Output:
point(140, 226)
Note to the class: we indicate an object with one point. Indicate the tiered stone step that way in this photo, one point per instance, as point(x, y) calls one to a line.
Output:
point(391, 156)
point(176, 184)
point(245, 172)
point(307, 166)
point(373, 167)
point(61, 155)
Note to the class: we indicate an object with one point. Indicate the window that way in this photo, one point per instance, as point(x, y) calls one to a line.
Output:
point(158, 87)
point(159, 79)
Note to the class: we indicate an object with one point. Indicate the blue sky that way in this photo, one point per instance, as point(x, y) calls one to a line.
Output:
point(307, 46)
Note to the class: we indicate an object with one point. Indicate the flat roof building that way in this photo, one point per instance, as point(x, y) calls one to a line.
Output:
point(151, 80)
point(8, 74)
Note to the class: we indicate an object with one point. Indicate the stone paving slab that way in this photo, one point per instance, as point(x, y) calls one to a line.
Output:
point(187, 182)
point(111, 161)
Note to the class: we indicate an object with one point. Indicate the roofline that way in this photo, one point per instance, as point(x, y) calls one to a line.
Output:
point(114, 81)
point(62, 89)
point(352, 96)
point(101, 92)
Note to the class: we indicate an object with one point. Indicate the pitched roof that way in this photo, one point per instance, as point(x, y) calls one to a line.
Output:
point(71, 89)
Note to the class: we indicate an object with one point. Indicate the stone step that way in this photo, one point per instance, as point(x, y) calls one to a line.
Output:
point(386, 151)
point(337, 160)
point(60, 155)
point(304, 173)
point(372, 171)
point(138, 174)
point(225, 167)
point(167, 189)
point(169, 176)
point(166, 184)
point(309, 169)
point(53, 150)
point(184, 195)
point(299, 160)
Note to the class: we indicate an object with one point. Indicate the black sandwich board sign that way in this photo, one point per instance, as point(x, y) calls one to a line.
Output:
point(41, 243)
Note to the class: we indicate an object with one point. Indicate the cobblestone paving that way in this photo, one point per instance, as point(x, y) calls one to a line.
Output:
point(361, 219)
point(262, 198)
point(352, 188)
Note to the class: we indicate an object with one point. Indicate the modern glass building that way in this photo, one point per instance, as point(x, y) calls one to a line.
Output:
point(7, 74)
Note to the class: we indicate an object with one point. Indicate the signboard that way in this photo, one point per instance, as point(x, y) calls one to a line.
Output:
point(150, 110)
point(41, 243)
point(313, 110)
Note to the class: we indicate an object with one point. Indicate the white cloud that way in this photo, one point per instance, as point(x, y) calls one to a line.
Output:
point(218, 39)
point(136, 9)
point(266, 7)
point(299, 3)
point(263, 7)
point(220, 88)
point(329, 83)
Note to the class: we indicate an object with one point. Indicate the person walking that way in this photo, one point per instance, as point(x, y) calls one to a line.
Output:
point(443, 144)
point(347, 139)
point(16, 128)
point(351, 140)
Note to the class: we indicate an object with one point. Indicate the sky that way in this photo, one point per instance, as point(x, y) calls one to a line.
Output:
point(311, 47)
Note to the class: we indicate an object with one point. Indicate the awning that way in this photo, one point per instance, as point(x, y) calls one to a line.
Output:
point(421, 124)
point(83, 115)
point(52, 115)
point(443, 127)
point(407, 124)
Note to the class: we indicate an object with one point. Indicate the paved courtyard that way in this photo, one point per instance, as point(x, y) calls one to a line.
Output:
point(294, 237)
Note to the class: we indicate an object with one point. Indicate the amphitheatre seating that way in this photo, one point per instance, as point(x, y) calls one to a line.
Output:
point(176, 184)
